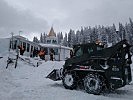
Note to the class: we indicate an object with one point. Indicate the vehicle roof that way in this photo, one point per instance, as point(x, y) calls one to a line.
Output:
point(87, 44)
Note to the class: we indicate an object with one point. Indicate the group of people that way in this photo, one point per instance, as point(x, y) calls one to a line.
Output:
point(35, 53)
point(41, 53)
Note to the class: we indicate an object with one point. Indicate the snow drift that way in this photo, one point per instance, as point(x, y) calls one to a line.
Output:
point(29, 83)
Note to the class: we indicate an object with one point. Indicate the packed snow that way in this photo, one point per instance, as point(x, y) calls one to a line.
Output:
point(29, 83)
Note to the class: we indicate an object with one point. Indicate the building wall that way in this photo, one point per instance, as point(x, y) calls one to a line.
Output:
point(29, 46)
point(61, 53)
point(52, 40)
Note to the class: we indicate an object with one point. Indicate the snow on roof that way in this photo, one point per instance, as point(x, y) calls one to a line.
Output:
point(54, 46)
point(25, 39)
point(21, 37)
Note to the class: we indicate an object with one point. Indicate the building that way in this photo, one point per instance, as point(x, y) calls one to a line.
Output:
point(29, 46)
point(51, 37)
point(61, 52)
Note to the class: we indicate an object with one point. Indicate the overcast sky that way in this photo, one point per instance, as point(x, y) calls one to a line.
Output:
point(37, 16)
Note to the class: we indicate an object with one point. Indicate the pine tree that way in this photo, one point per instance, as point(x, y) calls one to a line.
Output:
point(127, 31)
point(41, 38)
point(61, 36)
point(131, 30)
point(78, 37)
point(131, 24)
point(71, 38)
point(65, 40)
point(44, 37)
point(104, 35)
point(35, 39)
point(112, 36)
point(87, 32)
point(99, 32)
point(122, 31)
point(94, 35)
point(82, 36)
point(58, 36)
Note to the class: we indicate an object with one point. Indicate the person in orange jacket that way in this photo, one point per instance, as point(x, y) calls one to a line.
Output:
point(42, 54)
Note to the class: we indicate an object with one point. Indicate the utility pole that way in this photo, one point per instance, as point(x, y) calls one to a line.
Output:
point(19, 36)
point(12, 41)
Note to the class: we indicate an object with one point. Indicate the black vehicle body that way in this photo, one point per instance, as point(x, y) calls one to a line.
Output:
point(96, 67)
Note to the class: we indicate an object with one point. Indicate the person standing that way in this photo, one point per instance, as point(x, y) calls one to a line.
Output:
point(42, 54)
point(22, 49)
point(52, 54)
point(31, 53)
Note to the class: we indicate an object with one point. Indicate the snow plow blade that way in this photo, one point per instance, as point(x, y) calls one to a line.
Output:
point(55, 75)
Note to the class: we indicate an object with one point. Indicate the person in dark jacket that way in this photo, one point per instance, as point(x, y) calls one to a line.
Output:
point(22, 49)
point(52, 54)
point(35, 52)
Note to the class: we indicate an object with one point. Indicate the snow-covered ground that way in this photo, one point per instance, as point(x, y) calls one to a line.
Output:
point(29, 83)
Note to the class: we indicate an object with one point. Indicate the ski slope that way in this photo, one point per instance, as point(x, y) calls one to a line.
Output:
point(29, 83)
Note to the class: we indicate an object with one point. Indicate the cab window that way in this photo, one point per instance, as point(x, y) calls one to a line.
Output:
point(99, 48)
point(79, 52)
point(90, 50)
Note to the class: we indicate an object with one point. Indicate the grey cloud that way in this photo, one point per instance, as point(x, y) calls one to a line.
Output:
point(104, 12)
point(66, 14)
point(14, 20)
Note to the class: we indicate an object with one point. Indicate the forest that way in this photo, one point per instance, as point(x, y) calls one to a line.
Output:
point(105, 34)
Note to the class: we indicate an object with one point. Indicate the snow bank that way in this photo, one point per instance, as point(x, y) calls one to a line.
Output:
point(29, 83)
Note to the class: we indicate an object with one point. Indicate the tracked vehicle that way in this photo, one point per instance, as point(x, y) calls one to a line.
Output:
point(96, 68)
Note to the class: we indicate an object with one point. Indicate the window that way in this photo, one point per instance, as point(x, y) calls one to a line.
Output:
point(20, 42)
point(28, 47)
point(90, 50)
point(54, 42)
point(99, 48)
point(46, 50)
point(48, 41)
point(79, 52)
point(31, 48)
point(56, 51)
point(15, 44)
point(24, 44)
